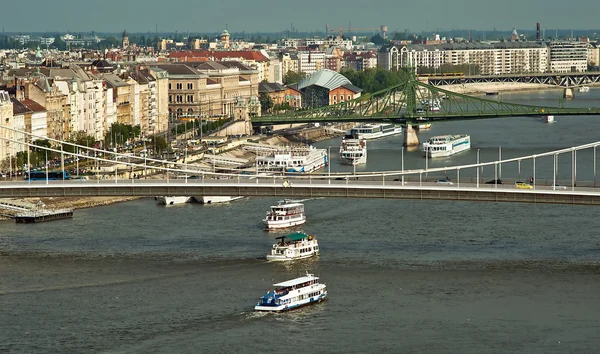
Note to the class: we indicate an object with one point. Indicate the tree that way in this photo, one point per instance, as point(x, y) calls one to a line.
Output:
point(266, 102)
point(378, 40)
point(292, 77)
point(59, 43)
point(79, 138)
point(159, 143)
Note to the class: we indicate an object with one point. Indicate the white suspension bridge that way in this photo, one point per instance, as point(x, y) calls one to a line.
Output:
point(177, 178)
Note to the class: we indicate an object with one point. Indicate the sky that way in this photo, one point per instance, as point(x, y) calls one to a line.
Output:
point(209, 16)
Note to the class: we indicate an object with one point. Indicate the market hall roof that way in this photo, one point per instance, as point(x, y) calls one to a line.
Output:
point(326, 78)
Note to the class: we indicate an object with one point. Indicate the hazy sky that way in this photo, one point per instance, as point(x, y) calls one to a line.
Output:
point(206, 16)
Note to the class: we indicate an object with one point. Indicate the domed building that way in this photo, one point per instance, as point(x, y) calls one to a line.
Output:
point(326, 87)
point(225, 38)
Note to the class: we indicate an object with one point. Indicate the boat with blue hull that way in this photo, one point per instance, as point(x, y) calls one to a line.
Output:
point(292, 294)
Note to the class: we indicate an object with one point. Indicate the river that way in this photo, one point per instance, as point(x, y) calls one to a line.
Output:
point(402, 275)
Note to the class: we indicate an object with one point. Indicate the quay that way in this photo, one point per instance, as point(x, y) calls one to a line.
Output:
point(34, 216)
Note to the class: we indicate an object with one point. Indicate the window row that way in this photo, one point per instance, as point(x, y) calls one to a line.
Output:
point(179, 86)
point(179, 99)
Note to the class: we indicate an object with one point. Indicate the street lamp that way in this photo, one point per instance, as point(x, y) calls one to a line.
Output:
point(403, 165)
point(477, 168)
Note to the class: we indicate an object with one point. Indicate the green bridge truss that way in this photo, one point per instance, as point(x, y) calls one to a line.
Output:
point(412, 102)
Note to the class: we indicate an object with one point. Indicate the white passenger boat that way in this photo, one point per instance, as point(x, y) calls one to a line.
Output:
point(446, 145)
point(173, 200)
point(374, 131)
point(584, 89)
point(285, 214)
point(548, 119)
point(294, 246)
point(298, 159)
point(214, 199)
point(353, 151)
point(292, 294)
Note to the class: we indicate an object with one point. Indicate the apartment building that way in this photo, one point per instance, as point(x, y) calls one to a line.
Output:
point(42, 90)
point(6, 121)
point(310, 62)
point(568, 56)
point(491, 58)
point(39, 118)
point(289, 62)
point(593, 54)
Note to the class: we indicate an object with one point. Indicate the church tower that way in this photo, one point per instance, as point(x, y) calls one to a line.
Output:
point(125, 40)
point(225, 39)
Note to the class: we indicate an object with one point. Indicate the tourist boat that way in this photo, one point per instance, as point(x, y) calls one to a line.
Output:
point(294, 246)
point(285, 214)
point(548, 119)
point(423, 123)
point(292, 294)
point(374, 131)
point(214, 199)
point(584, 89)
point(353, 151)
point(298, 159)
point(446, 145)
point(166, 200)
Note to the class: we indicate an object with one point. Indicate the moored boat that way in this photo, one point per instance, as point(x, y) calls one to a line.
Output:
point(173, 200)
point(294, 246)
point(292, 294)
point(285, 214)
point(299, 159)
point(353, 151)
point(214, 199)
point(374, 131)
point(446, 145)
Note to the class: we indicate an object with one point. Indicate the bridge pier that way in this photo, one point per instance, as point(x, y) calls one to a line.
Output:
point(410, 136)
point(568, 93)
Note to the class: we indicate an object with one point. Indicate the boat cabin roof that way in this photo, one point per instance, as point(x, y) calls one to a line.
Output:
point(284, 206)
point(296, 281)
point(296, 236)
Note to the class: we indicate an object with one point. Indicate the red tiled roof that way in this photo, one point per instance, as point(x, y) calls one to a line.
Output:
point(33, 106)
point(219, 55)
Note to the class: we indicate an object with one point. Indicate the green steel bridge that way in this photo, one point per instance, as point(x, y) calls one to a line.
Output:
point(412, 102)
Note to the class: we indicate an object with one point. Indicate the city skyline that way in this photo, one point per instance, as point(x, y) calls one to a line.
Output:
point(306, 16)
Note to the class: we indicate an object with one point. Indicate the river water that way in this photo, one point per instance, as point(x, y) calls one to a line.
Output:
point(403, 276)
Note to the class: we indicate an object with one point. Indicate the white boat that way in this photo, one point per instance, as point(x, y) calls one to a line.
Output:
point(173, 200)
point(353, 151)
point(446, 145)
point(299, 159)
point(292, 294)
point(285, 214)
point(374, 131)
point(584, 89)
point(294, 246)
point(424, 126)
point(548, 119)
point(214, 199)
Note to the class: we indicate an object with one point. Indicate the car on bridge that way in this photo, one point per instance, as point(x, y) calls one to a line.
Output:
point(444, 181)
point(494, 181)
point(523, 185)
point(559, 186)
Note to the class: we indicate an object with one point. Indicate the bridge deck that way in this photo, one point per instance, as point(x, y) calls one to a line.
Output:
point(307, 189)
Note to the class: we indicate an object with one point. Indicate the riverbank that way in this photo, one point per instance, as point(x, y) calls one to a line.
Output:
point(301, 136)
point(482, 88)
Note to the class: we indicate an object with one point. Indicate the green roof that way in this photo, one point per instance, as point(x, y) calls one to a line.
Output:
point(297, 236)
